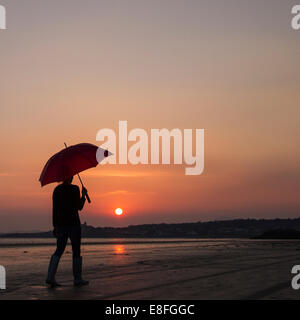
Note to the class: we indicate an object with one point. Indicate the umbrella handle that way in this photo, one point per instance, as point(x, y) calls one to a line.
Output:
point(88, 198)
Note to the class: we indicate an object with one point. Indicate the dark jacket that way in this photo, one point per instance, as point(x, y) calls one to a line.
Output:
point(66, 203)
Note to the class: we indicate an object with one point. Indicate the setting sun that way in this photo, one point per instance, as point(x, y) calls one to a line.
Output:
point(118, 211)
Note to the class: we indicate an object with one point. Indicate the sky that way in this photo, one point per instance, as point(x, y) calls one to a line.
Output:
point(69, 68)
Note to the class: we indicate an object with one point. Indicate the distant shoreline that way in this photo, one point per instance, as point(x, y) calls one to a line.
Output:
point(224, 229)
point(115, 242)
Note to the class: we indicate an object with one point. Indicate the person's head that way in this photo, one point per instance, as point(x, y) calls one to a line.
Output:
point(68, 181)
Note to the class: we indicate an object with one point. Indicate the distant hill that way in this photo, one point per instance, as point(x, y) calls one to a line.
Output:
point(240, 228)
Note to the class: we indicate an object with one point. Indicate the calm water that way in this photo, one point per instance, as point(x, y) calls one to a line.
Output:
point(31, 242)
point(16, 253)
point(26, 260)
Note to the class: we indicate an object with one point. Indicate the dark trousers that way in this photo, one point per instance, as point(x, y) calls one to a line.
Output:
point(62, 234)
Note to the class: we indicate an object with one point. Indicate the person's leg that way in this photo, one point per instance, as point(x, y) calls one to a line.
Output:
point(61, 242)
point(75, 236)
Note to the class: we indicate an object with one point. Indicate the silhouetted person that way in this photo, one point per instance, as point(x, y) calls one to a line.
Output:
point(66, 223)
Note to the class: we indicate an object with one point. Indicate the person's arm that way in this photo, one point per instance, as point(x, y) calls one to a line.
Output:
point(82, 199)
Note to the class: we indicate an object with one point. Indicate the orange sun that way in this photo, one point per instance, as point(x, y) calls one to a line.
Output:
point(118, 211)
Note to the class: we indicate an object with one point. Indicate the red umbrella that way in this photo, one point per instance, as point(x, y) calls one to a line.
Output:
point(70, 161)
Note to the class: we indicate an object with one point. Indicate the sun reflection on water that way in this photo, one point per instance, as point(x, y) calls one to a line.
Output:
point(119, 249)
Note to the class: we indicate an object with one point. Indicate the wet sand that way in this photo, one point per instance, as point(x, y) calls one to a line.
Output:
point(199, 269)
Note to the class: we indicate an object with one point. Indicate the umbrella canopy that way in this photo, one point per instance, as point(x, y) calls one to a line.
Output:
point(70, 161)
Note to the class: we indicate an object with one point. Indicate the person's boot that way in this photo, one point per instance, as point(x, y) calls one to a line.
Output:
point(77, 272)
point(52, 271)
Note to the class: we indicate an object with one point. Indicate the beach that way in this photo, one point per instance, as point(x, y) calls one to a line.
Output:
point(155, 269)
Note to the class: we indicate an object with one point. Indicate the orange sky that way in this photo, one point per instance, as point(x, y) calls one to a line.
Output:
point(68, 70)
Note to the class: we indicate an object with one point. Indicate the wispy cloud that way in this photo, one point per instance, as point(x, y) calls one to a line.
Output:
point(13, 193)
point(7, 174)
point(127, 174)
point(122, 192)
point(17, 174)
